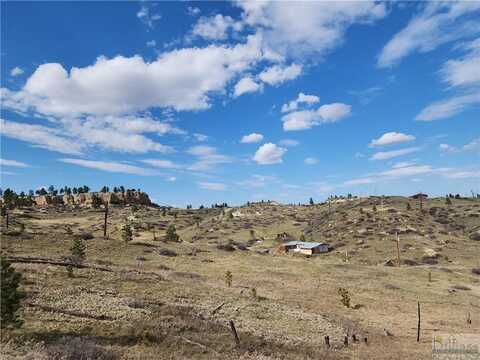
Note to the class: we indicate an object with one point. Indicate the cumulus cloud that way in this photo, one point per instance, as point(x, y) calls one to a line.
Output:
point(212, 185)
point(269, 154)
point(449, 107)
point(109, 166)
point(14, 163)
point(306, 119)
point(384, 155)
point(275, 75)
point(16, 71)
point(310, 161)
point(246, 85)
point(447, 148)
point(316, 28)
point(215, 27)
point(151, 43)
point(301, 99)
point(438, 23)
point(391, 138)
point(252, 138)
point(180, 79)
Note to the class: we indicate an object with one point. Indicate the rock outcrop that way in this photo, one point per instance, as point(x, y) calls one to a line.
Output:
point(89, 199)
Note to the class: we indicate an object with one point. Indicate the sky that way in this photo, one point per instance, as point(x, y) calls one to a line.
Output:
point(204, 102)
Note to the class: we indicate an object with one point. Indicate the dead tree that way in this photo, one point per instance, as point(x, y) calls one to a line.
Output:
point(105, 221)
point(234, 333)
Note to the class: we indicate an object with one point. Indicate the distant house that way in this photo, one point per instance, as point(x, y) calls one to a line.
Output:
point(419, 196)
point(303, 247)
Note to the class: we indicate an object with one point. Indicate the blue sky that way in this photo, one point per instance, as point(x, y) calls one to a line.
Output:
point(202, 102)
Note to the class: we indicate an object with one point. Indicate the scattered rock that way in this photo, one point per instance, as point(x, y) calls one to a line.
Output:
point(167, 252)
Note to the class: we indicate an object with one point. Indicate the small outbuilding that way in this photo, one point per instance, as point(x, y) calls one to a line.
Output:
point(304, 247)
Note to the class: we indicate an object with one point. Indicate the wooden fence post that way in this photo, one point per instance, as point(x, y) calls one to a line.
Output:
point(234, 333)
point(105, 221)
point(418, 326)
point(365, 340)
point(345, 340)
point(6, 220)
point(327, 341)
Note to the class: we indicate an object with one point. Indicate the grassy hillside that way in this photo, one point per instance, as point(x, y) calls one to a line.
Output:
point(151, 299)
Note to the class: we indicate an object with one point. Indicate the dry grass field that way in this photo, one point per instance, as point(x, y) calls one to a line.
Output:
point(151, 299)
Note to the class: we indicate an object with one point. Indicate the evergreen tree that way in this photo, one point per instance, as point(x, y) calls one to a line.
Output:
point(127, 234)
point(74, 190)
point(10, 295)
point(172, 234)
point(77, 251)
point(50, 189)
point(311, 202)
point(9, 198)
point(409, 207)
point(448, 201)
point(30, 193)
point(96, 201)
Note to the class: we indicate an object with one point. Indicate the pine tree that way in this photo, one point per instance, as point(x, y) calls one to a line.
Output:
point(172, 234)
point(10, 295)
point(409, 207)
point(77, 251)
point(127, 234)
point(311, 202)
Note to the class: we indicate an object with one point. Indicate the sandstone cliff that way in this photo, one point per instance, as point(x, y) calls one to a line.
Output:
point(88, 199)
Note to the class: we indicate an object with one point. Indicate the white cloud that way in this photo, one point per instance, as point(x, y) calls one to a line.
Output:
point(109, 166)
point(301, 99)
point(288, 142)
point(252, 138)
point(269, 154)
point(447, 148)
point(277, 74)
point(436, 25)
point(160, 163)
point(459, 174)
point(40, 136)
point(310, 161)
point(306, 119)
point(14, 163)
point(384, 155)
point(390, 138)
point(402, 164)
point(181, 79)
point(212, 186)
point(257, 181)
point(360, 181)
point(448, 108)
point(193, 11)
point(151, 43)
point(246, 85)
point(147, 16)
point(215, 27)
point(200, 137)
point(207, 158)
point(464, 72)
point(172, 179)
point(304, 28)
point(473, 145)
point(16, 71)
point(407, 171)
